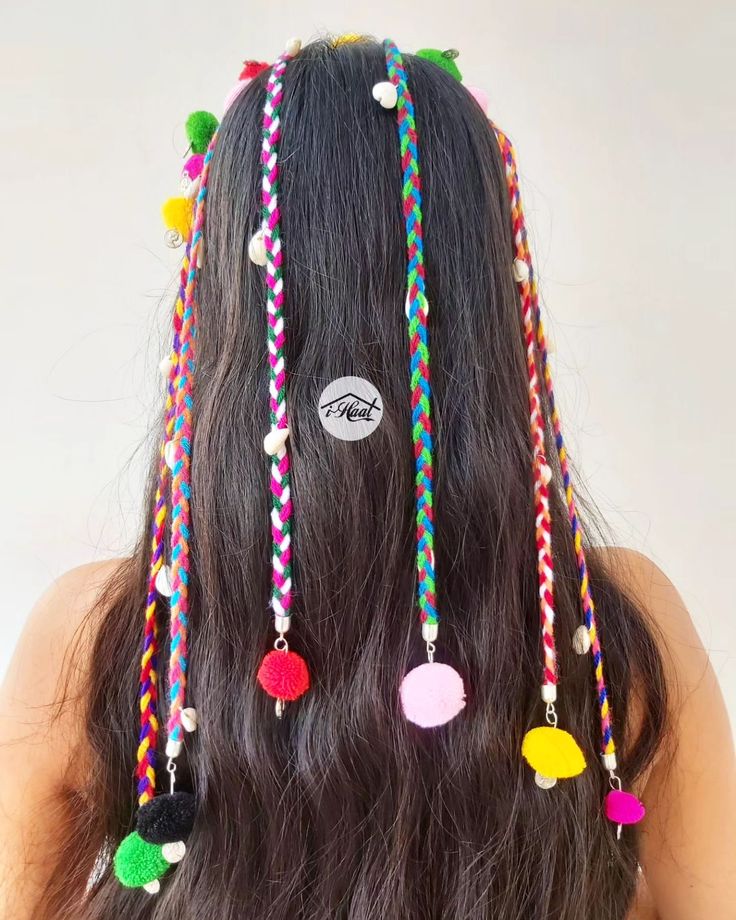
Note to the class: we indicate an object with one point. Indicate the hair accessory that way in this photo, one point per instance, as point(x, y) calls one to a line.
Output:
point(620, 807)
point(283, 674)
point(140, 860)
point(200, 128)
point(443, 59)
point(432, 693)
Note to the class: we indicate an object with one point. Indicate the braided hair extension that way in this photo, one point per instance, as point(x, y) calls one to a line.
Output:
point(432, 693)
point(283, 674)
point(146, 754)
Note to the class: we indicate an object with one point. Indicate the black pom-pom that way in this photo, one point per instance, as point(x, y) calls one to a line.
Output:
point(166, 818)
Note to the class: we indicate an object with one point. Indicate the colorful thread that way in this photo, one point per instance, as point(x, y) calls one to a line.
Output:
point(543, 518)
point(281, 593)
point(417, 309)
point(180, 485)
point(608, 746)
point(148, 740)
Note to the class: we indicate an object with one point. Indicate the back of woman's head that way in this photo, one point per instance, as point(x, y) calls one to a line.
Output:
point(342, 807)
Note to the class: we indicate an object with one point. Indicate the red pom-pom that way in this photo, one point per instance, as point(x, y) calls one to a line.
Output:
point(284, 675)
point(252, 69)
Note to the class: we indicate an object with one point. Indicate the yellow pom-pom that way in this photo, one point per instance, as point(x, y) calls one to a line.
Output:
point(178, 214)
point(349, 38)
point(552, 752)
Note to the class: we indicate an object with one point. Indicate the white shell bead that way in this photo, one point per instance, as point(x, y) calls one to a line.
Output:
point(174, 852)
point(386, 93)
point(545, 473)
point(152, 887)
point(170, 454)
point(165, 365)
point(189, 719)
point(581, 640)
point(294, 46)
point(544, 782)
point(163, 581)
point(521, 270)
point(275, 440)
point(257, 248)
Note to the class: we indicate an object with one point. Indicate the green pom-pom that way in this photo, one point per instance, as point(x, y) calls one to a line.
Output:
point(137, 863)
point(443, 59)
point(200, 128)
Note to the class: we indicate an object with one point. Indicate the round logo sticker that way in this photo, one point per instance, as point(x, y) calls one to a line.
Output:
point(350, 408)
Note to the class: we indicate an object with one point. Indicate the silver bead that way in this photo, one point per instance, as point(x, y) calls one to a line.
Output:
point(430, 631)
point(173, 239)
point(544, 782)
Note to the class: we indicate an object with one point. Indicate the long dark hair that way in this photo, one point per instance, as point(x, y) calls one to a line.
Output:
point(343, 808)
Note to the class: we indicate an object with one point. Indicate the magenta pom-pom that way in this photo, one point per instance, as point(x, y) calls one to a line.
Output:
point(432, 694)
point(193, 166)
point(623, 807)
point(284, 675)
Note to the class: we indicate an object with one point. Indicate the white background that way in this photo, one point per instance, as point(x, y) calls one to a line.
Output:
point(624, 118)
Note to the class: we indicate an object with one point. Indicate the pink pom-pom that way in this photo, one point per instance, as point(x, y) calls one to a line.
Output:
point(480, 96)
point(432, 694)
point(193, 166)
point(623, 807)
point(234, 93)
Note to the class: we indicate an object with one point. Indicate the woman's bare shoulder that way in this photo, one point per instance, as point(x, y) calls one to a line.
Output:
point(61, 621)
point(42, 731)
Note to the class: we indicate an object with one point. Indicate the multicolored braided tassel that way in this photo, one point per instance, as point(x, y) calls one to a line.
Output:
point(164, 821)
point(432, 693)
point(620, 807)
point(283, 674)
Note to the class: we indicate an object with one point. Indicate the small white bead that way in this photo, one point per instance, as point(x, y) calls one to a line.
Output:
point(173, 748)
point(165, 365)
point(174, 852)
point(581, 640)
point(163, 581)
point(430, 631)
point(609, 761)
point(549, 693)
point(544, 782)
point(189, 187)
point(294, 46)
point(521, 270)
point(170, 454)
point(387, 94)
point(257, 248)
point(152, 887)
point(200, 255)
point(189, 719)
point(275, 440)
point(545, 473)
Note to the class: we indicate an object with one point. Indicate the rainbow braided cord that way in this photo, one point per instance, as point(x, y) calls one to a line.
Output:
point(180, 485)
point(608, 746)
point(281, 514)
point(148, 740)
point(417, 309)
